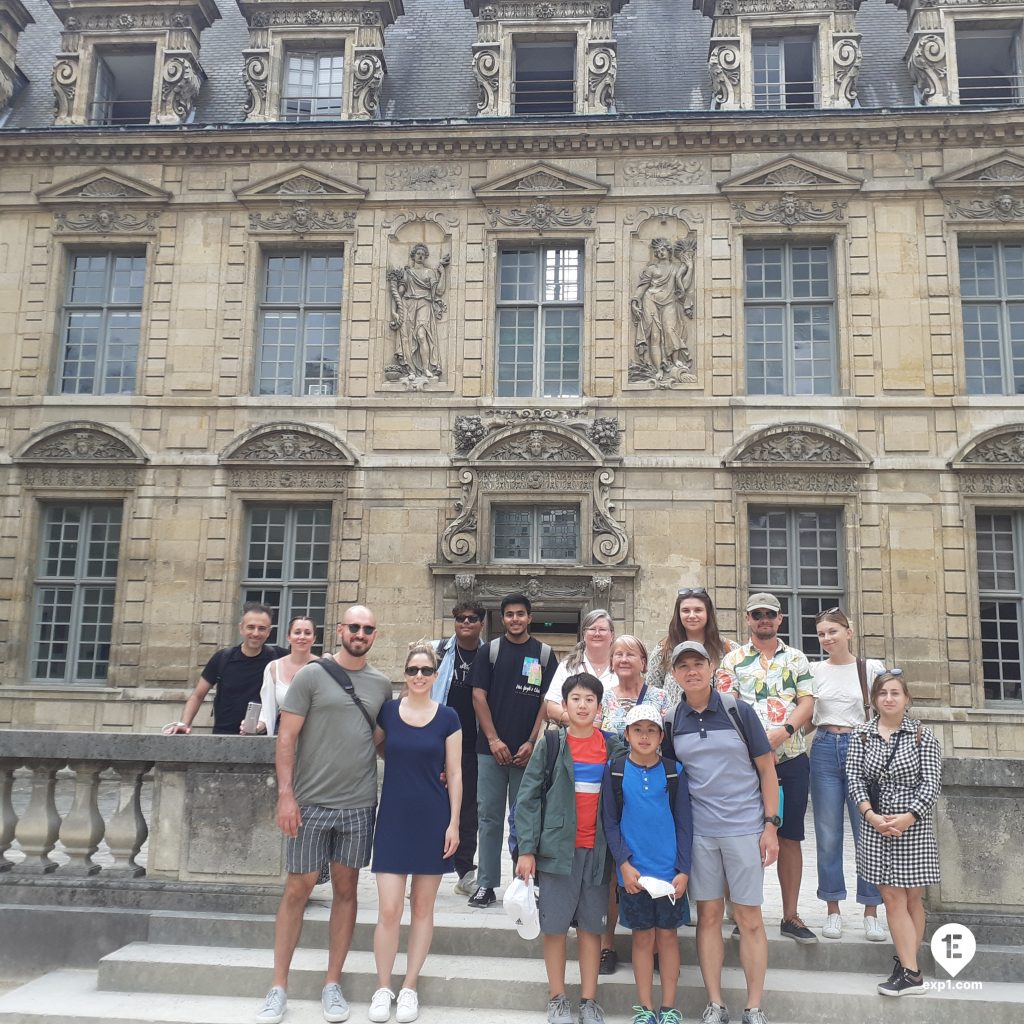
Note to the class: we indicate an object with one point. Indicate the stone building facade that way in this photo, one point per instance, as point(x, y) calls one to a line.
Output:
point(348, 301)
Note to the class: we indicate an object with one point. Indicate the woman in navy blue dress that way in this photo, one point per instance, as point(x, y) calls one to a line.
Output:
point(417, 824)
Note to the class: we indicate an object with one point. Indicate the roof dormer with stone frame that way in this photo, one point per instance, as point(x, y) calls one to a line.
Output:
point(544, 57)
point(965, 52)
point(129, 61)
point(13, 20)
point(311, 60)
point(752, 41)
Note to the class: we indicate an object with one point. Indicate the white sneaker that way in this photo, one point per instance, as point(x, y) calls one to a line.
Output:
point(380, 1005)
point(466, 885)
point(274, 1007)
point(874, 929)
point(833, 927)
point(407, 1008)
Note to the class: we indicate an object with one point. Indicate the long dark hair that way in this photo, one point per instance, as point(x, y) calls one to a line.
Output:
point(713, 642)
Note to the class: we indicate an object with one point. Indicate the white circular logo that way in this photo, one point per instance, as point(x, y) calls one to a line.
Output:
point(953, 947)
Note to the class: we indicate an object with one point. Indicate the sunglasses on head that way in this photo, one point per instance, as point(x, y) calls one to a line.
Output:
point(690, 591)
point(471, 619)
point(762, 613)
point(355, 628)
point(828, 611)
point(894, 672)
point(419, 670)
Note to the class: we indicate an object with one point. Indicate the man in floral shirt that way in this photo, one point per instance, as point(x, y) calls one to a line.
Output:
point(775, 680)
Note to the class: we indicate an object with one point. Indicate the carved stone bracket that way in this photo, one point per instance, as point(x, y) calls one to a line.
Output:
point(724, 62)
point(541, 217)
point(64, 80)
point(603, 431)
point(611, 545)
point(926, 61)
point(1004, 207)
point(459, 541)
point(302, 219)
point(256, 75)
point(846, 62)
point(601, 70)
point(789, 210)
point(367, 79)
point(105, 220)
point(180, 80)
point(486, 70)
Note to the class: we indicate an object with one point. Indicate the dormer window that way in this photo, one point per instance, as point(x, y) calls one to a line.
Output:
point(123, 87)
point(988, 64)
point(545, 78)
point(784, 75)
point(313, 87)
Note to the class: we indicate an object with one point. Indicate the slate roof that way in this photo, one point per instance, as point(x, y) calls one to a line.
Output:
point(662, 47)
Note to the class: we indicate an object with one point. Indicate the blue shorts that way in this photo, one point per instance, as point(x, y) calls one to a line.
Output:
point(639, 911)
point(795, 780)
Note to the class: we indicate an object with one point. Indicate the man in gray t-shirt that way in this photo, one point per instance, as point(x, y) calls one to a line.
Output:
point(327, 795)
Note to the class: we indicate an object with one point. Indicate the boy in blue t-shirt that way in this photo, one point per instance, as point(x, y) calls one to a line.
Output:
point(645, 804)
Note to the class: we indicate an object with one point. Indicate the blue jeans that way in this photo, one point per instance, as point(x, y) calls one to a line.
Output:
point(829, 798)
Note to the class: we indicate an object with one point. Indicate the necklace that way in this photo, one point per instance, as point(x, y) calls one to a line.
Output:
point(464, 663)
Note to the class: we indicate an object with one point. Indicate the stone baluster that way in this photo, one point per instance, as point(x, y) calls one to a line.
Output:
point(127, 829)
point(82, 828)
point(8, 819)
point(39, 826)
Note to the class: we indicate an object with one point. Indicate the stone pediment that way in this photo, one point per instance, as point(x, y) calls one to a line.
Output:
point(103, 186)
point(540, 179)
point(537, 445)
point(299, 184)
point(287, 444)
point(1000, 448)
point(797, 444)
point(791, 174)
point(994, 172)
point(81, 442)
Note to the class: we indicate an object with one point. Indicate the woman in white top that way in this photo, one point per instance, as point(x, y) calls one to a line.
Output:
point(592, 654)
point(839, 706)
point(278, 675)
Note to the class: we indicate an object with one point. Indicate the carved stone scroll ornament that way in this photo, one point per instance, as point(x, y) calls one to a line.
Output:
point(601, 70)
point(418, 311)
point(846, 62)
point(603, 431)
point(105, 220)
point(179, 87)
point(537, 446)
point(256, 75)
point(798, 446)
point(665, 172)
point(660, 308)
point(459, 540)
point(1004, 449)
point(926, 62)
point(541, 217)
point(367, 79)
point(789, 210)
point(423, 177)
point(301, 219)
point(65, 82)
point(1003, 207)
point(287, 446)
point(803, 482)
point(724, 66)
point(82, 446)
point(486, 68)
point(611, 545)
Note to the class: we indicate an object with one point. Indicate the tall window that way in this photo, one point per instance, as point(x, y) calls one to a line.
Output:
point(74, 593)
point(992, 291)
point(287, 555)
point(988, 62)
point(101, 323)
point(545, 78)
point(123, 88)
point(540, 322)
point(300, 324)
point(784, 76)
point(312, 87)
point(795, 554)
point(1001, 592)
point(790, 320)
point(533, 533)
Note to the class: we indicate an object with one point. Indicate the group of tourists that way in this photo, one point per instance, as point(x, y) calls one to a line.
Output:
point(638, 790)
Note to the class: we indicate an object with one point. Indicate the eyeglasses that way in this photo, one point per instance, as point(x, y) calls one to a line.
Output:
point(598, 631)
point(894, 672)
point(690, 591)
point(355, 628)
point(471, 619)
point(828, 611)
point(419, 670)
point(762, 613)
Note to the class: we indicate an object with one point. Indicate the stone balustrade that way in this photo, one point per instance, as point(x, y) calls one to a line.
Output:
point(208, 813)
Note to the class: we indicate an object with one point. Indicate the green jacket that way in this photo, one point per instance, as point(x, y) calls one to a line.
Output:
point(552, 839)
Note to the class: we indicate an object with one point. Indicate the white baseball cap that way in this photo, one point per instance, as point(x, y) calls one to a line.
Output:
point(520, 903)
point(644, 713)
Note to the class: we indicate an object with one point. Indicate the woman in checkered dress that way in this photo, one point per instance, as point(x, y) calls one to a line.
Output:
point(898, 851)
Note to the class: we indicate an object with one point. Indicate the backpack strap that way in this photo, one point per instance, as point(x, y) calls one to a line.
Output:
point(493, 648)
point(862, 676)
point(732, 712)
point(551, 742)
point(545, 655)
point(618, 770)
point(920, 733)
point(672, 780)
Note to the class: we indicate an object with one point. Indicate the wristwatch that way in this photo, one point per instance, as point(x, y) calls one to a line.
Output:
point(788, 728)
point(773, 819)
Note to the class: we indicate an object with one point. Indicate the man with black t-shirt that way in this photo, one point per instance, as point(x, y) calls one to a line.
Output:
point(510, 677)
point(453, 688)
point(236, 673)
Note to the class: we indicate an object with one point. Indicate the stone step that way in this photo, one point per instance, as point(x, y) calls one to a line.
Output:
point(517, 984)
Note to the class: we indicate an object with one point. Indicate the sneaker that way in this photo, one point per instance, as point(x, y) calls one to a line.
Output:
point(795, 929)
point(407, 1006)
point(466, 885)
point(714, 1014)
point(560, 1010)
point(834, 927)
point(333, 1002)
point(906, 983)
point(897, 970)
point(274, 1006)
point(670, 1016)
point(874, 930)
point(609, 961)
point(380, 1005)
point(754, 1015)
point(483, 897)
point(590, 1012)
point(641, 1015)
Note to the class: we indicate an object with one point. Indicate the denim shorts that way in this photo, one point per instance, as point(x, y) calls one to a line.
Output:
point(640, 911)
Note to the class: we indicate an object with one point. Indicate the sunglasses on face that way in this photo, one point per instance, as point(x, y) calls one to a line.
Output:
point(355, 628)
point(419, 670)
point(471, 619)
point(762, 613)
point(690, 591)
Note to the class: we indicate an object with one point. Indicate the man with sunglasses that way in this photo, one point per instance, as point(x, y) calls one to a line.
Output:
point(326, 767)
point(775, 679)
point(453, 688)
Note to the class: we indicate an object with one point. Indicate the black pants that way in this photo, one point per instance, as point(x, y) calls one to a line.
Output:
point(465, 855)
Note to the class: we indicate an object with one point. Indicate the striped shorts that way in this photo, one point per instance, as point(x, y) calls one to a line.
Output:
point(344, 836)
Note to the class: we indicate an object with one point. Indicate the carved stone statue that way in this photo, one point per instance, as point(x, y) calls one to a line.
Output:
point(417, 306)
point(660, 307)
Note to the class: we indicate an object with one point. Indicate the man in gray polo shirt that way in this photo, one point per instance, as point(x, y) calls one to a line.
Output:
point(327, 796)
point(734, 795)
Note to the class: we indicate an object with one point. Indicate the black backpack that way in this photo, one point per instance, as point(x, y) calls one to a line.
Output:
point(618, 769)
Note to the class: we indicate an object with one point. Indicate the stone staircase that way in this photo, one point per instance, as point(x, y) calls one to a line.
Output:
point(215, 968)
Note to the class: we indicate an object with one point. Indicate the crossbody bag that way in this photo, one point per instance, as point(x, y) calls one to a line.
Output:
point(341, 677)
